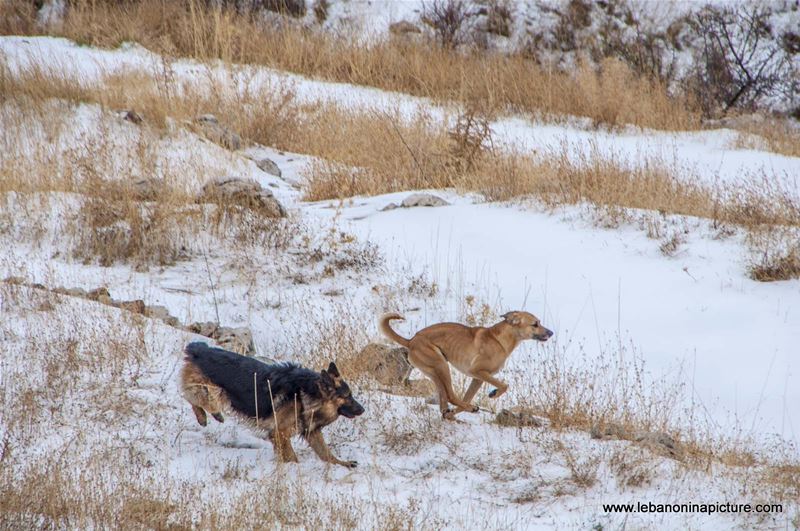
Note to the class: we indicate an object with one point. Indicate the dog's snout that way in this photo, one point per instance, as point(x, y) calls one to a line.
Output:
point(548, 332)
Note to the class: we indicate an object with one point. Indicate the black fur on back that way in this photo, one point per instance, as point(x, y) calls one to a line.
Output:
point(234, 374)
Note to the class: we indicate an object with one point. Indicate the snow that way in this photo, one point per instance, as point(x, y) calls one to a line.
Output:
point(735, 341)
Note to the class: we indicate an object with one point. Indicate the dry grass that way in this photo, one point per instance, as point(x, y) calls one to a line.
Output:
point(53, 143)
point(777, 136)
point(611, 95)
point(774, 254)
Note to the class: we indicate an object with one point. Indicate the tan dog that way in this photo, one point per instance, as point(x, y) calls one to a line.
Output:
point(476, 351)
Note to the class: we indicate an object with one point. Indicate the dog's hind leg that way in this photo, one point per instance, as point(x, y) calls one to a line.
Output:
point(317, 443)
point(443, 372)
point(200, 415)
point(447, 413)
point(474, 385)
point(435, 366)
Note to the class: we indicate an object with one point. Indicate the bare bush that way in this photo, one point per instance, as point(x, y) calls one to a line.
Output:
point(498, 17)
point(738, 63)
point(471, 136)
point(449, 20)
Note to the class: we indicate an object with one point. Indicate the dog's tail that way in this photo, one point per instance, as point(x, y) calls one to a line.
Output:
point(387, 330)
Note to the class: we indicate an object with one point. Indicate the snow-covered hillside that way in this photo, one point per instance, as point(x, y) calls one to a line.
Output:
point(724, 348)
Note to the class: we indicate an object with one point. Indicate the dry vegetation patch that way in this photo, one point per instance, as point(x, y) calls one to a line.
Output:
point(385, 152)
point(611, 95)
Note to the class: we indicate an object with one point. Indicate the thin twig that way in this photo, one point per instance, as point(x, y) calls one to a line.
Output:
point(403, 140)
point(211, 285)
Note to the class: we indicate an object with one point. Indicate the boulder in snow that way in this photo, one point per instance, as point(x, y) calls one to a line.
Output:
point(246, 193)
point(268, 166)
point(216, 132)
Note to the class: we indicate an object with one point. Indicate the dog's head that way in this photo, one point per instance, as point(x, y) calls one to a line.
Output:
point(527, 326)
point(332, 385)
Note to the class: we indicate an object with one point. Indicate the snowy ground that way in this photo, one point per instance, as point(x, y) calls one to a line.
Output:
point(695, 317)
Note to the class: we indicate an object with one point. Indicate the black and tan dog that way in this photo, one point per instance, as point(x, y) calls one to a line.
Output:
point(282, 399)
point(476, 351)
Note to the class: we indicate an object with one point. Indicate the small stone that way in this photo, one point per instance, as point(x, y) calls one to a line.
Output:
point(608, 430)
point(219, 134)
point(423, 200)
point(246, 193)
point(206, 329)
point(134, 306)
point(268, 166)
point(132, 116)
point(238, 340)
point(520, 417)
point(100, 295)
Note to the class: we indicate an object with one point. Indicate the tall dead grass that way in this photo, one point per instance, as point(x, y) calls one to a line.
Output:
point(126, 193)
point(611, 95)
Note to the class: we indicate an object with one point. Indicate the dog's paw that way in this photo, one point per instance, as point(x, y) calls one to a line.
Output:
point(218, 417)
point(448, 414)
point(349, 464)
point(493, 393)
point(475, 409)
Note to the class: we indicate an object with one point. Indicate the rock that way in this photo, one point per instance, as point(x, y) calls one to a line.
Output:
point(520, 417)
point(156, 311)
point(147, 189)
point(218, 133)
point(100, 295)
point(132, 116)
point(423, 200)
point(609, 430)
point(72, 292)
point(242, 192)
point(418, 200)
point(403, 27)
point(76, 292)
point(204, 329)
point(235, 339)
point(160, 312)
point(134, 306)
point(385, 364)
point(661, 443)
point(268, 166)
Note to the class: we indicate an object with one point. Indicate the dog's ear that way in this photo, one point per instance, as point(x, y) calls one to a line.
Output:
point(326, 382)
point(332, 370)
point(511, 318)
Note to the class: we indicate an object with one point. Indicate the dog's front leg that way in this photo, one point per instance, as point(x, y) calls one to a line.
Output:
point(283, 447)
point(317, 442)
point(486, 376)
